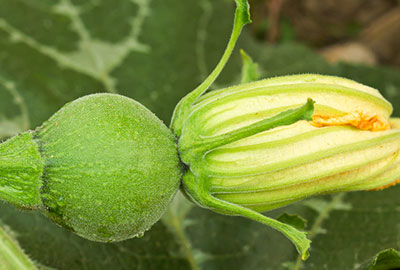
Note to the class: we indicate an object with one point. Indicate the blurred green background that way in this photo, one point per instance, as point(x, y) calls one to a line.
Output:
point(156, 51)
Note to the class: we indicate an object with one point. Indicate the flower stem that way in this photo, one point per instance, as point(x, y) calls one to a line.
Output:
point(21, 169)
point(242, 17)
point(11, 255)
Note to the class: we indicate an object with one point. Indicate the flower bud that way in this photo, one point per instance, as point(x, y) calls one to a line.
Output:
point(348, 146)
point(252, 147)
point(348, 143)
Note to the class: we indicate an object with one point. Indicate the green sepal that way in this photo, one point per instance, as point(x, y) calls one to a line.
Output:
point(191, 146)
point(197, 189)
point(249, 69)
point(294, 220)
point(242, 17)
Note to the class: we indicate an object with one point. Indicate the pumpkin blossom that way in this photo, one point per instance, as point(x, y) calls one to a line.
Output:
point(261, 145)
point(348, 144)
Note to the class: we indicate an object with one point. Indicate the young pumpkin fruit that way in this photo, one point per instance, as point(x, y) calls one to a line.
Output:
point(103, 166)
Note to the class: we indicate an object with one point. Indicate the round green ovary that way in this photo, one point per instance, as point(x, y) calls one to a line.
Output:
point(111, 167)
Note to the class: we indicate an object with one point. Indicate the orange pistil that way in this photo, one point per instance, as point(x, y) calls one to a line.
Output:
point(387, 185)
point(357, 119)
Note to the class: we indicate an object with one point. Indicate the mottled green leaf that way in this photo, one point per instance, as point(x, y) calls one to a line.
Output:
point(156, 51)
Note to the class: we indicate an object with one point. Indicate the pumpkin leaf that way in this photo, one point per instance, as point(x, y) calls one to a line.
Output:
point(53, 51)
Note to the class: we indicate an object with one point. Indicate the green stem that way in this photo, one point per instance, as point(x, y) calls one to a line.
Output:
point(11, 255)
point(21, 169)
point(242, 17)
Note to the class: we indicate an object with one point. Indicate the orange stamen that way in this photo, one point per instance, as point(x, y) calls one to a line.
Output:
point(357, 119)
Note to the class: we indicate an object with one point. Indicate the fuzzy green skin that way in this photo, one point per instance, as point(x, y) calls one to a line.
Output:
point(111, 167)
point(21, 170)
